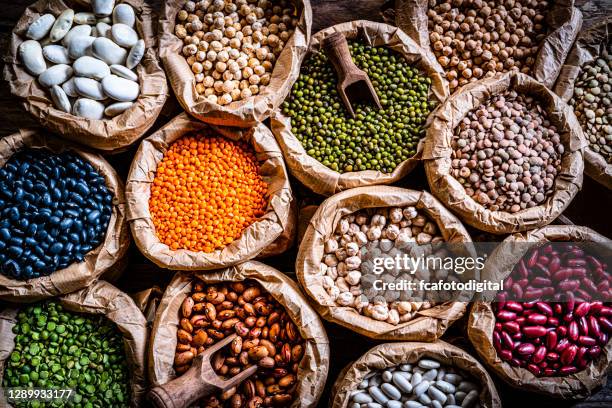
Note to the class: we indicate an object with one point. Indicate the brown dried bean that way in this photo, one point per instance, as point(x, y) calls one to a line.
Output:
point(187, 307)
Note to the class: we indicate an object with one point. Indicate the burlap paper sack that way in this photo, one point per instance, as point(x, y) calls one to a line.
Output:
point(99, 298)
point(588, 47)
point(243, 113)
point(253, 241)
point(482, 320)
point(563, 19)
point(437, 155)
point(109, 134)
point(312, 173)
point(429, 324)
point(393, 354)
point(313, 369)
point(105, 260)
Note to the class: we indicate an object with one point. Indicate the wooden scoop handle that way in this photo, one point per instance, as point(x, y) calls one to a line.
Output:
point(337, 51)
point(182, 391)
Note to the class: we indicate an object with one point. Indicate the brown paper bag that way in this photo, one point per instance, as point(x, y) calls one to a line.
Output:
point(99, 298)
point(392, 354)
point(253, 241)
point(312, 173)
point(313, 368)
point(109, 134)
point(243, 113)
point(588, 46)
point(482, 321)
point(429, 324)
point(106, 259)
point(563, 19)
point(437, 155)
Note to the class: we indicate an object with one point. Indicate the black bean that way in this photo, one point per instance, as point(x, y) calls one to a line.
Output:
point(55, 208)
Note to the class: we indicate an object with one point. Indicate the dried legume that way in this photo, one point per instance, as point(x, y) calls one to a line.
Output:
point(506, 153)
point(206, 191)
point(55, 209)
point(55, 348)
point(375, 139)
point(361, 237)
point(426, 383)
point(475, 39)
point(266, 337)
point(554, 338)
point(90, 72)
point(592, 102)
point(232, 45)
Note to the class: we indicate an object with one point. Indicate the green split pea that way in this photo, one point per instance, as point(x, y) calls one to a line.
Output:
point(58, 349)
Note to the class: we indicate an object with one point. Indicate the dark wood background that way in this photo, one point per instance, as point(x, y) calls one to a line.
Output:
point(591, 207)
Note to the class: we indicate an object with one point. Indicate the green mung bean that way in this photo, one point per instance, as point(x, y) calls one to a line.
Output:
point(59, 349)
point(375, 139)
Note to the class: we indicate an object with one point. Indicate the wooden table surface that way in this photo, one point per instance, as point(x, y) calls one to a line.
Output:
point(591, 207)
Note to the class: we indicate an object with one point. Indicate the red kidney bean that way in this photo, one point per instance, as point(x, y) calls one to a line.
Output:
point(582, 309)
point(505, 354)
point(594, 351)
point(507, 340)
point(594, 329)
point(552, 356)
point(562, 345)
point(514, 307)
point(544, 308)
point(567, 370)
point(534, 331)
point(512, 327)
point(534, 369)
point(573, 331)
point(605, 324)
point(583, 325)
point(558, 330)
point(536, 318)
point(551, 340)
point(554, 264)
point(569, 354)
point(606, 311)
point(539, 354)
point(587, 341)
point(525, 349)
point(506, 315)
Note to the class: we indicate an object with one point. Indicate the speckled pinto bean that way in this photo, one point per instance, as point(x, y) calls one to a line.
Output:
point(426, 383)
point(559, 337)
point(506, 153)
point(55, 209)
point(267, 338)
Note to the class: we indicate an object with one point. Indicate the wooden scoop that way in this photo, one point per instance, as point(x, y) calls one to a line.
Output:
point(353, 83)
point(197, 382)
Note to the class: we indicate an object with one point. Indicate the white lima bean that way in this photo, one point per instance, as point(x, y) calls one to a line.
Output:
point(390, 388)
point(79, 47)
